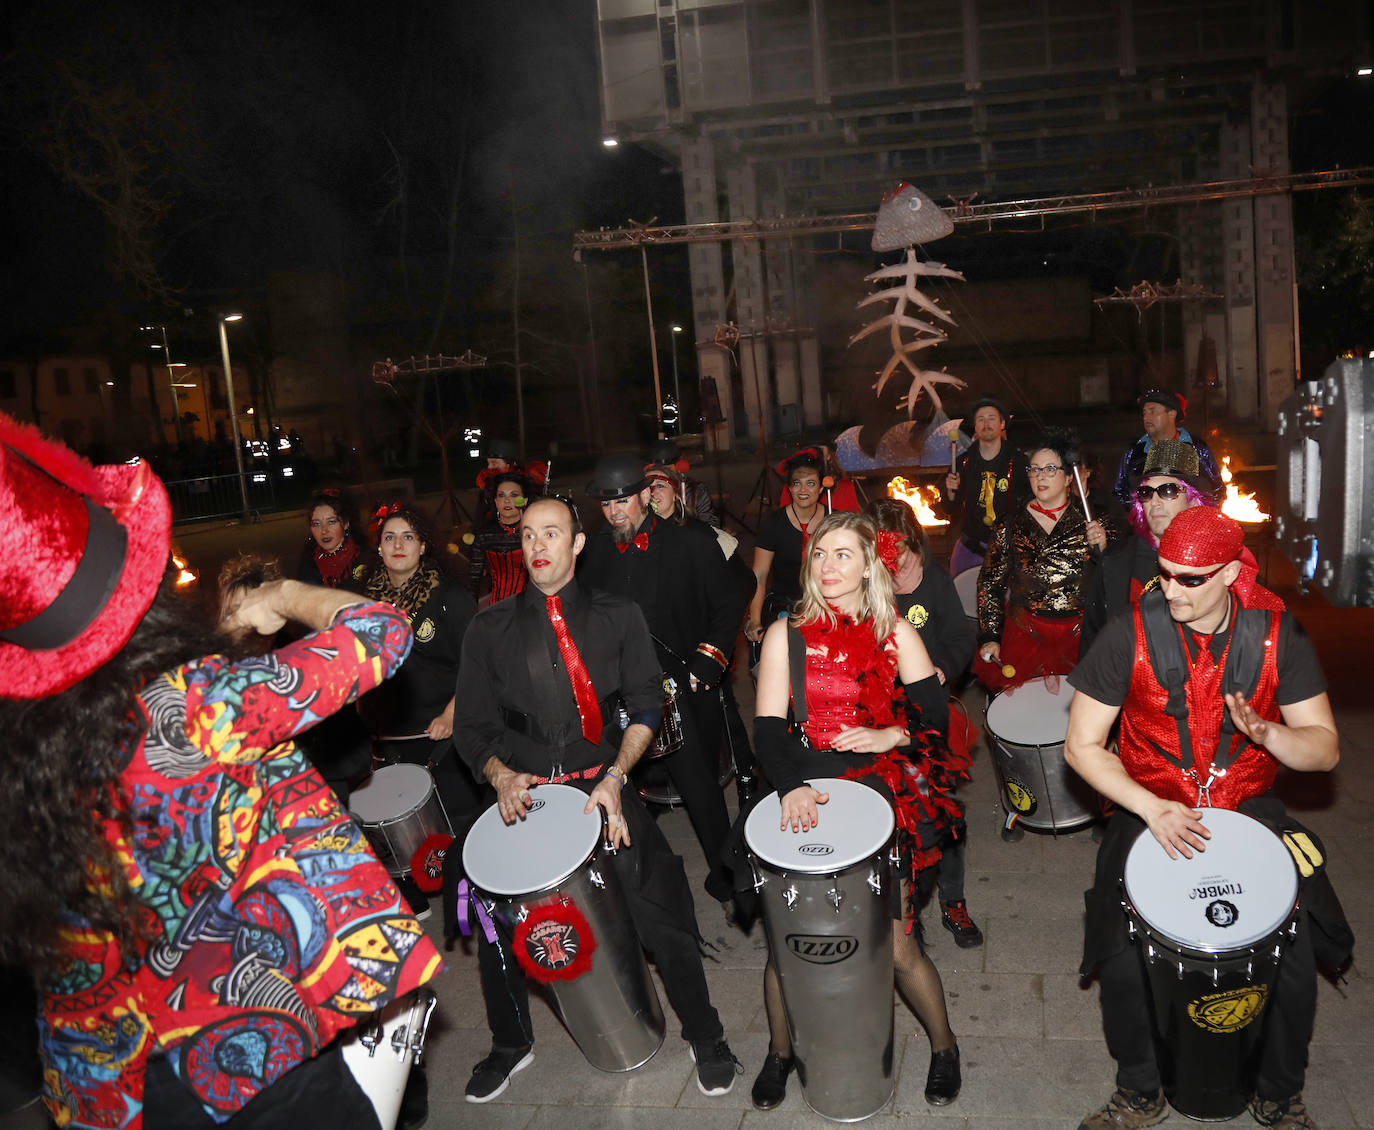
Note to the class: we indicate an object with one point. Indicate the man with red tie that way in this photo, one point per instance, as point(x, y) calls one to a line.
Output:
point(542, 678)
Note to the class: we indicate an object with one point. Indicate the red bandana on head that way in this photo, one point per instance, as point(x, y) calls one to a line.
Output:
point(1201, 537)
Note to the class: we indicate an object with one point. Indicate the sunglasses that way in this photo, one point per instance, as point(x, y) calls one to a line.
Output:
point(1190, 580)
point(1166, 491)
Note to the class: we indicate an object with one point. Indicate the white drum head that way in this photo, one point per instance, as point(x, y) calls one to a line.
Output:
point(854, 824)
point(966, 585)
point(1033, 713)
point(391, 791)
point(1234, 894)
point(552, 842)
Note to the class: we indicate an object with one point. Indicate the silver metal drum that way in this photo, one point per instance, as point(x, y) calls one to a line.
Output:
point(827, 908)
point(1028, 725)
point(966, 585)
point(381, 1050)
point(549, 885)
point(398, 808)
point(1212, 931)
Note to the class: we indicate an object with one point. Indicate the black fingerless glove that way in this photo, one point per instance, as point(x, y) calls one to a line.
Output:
point(927, 704)
point(775, 749)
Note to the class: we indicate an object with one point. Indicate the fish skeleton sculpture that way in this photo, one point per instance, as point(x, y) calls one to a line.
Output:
point(906, 217)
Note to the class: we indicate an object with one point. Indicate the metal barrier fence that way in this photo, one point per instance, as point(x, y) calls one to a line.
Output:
point(217, 496)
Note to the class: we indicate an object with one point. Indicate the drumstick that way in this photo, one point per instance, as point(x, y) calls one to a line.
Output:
point(402, 737)
point(1087, 510)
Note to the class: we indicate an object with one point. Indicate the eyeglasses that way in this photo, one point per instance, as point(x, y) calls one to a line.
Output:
point(1049, 469)
point(1190, 580)
point(1166, 491)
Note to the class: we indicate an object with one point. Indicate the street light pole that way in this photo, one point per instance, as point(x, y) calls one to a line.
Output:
point(172, 383)
point(233, 413)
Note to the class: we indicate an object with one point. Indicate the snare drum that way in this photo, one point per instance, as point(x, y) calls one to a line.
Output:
point(1212, 930)
point(966, 585)
point(550, 886)
point(1028, 725)
point(380, 1052)
point(399, 808)
point(669, 737)
point(827, 909)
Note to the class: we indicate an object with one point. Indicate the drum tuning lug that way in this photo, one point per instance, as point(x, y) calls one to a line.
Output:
point(759, 878)
point(370, 1036)
point(595, 879)
point(836, 896)
point(894, 857)
point(522, 914)
point(1130, 930)
point(875, 881)
point(399, 1042)
point(421, 1030)
point(1180, 971)
point(1293, 929)
point(1216, 976)
point(789, 897)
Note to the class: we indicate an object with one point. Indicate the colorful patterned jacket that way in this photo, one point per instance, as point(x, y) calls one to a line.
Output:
point(274, 927)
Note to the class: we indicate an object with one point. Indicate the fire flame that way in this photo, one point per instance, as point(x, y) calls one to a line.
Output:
point(915, 497)
point(185, 574)
point(1239, 504)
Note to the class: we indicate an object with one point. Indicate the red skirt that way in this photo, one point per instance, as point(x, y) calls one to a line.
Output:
point(1032, 646)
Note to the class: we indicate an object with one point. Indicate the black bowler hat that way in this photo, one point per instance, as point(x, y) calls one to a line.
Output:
point(503, 449)
point(1170, 400)
point(617, 476)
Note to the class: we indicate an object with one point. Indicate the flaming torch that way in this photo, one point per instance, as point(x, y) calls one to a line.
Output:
point(919, 499)
point(1239, 504)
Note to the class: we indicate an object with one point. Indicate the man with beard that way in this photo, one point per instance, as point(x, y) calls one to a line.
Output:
point(992, 476)
point(682, 583)
point(541, 677)
point(1161, 412)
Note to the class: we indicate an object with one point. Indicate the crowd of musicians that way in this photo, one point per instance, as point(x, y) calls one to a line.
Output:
point(206, 940)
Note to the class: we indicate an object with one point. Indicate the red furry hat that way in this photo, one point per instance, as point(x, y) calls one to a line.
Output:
point(82, 552)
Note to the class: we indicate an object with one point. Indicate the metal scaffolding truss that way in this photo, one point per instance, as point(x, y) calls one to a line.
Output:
point(968, 213)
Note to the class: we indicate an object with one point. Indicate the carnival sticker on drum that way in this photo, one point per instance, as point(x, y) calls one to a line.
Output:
point(1020, 797)
point(1228, 1011)
point(555, 942)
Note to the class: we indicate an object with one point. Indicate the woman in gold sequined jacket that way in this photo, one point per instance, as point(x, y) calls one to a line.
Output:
point(1034, 580)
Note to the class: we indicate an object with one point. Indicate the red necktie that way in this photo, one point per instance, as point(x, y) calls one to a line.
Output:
point(587, 706)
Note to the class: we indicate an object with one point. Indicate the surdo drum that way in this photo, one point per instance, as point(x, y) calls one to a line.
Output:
point(1028, 725)
point(398, 809)
point(827, 909)
point(548, 884)
point(381, 1050)
point(1212, 931)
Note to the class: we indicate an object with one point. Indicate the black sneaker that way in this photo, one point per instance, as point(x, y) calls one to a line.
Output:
point(770, 1088)
point(716, 1067)
point(492, 1075)
point(943, 1080)
point(954, 917)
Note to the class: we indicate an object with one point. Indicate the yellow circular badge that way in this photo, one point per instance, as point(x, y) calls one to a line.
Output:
point(1229, 1011)
point(1020, 797)
point(917, 615)
point(425, 632)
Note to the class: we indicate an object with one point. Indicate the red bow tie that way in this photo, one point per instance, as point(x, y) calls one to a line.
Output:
point(640, 542)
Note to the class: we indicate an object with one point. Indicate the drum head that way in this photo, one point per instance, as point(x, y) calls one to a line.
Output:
point(1234, 894)
point(966, 585)
point(391, 791)
point(552, 842)
point(1035, 713)
point(854, 824)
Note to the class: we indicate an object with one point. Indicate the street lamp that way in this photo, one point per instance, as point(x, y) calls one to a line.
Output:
point(677, 390)
point(233, 412)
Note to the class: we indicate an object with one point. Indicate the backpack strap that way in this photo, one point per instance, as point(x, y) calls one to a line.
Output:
point(1241, 675)
point(1169, 661)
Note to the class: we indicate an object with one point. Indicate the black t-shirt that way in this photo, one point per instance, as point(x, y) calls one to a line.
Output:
point(1104, 673)
point(784, 541)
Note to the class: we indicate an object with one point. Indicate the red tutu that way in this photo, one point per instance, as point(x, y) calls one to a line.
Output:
point(1032, 646)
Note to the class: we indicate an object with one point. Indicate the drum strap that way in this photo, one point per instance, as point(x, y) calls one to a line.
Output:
point(1169, 660)
point(796, 665)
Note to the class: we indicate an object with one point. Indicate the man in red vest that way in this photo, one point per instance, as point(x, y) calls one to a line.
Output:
point(1209, 741)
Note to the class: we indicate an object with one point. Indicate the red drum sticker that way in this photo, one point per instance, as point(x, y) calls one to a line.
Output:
point(427, 864)
point(554, 943)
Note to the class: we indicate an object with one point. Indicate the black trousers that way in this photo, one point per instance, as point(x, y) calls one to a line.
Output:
point(1127, 1013)
point(695, 773)
point(662, 915)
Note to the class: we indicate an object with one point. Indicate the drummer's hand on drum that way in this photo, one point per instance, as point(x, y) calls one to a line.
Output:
point(513, 793)
point(1178, 828)
point(864, 739)
point(606, 796)
point(799, 809)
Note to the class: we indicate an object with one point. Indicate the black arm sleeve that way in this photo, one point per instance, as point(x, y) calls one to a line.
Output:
point(774, 746)
point(927, 704)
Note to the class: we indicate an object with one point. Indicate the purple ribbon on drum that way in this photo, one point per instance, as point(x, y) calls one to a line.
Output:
point(469, 900)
